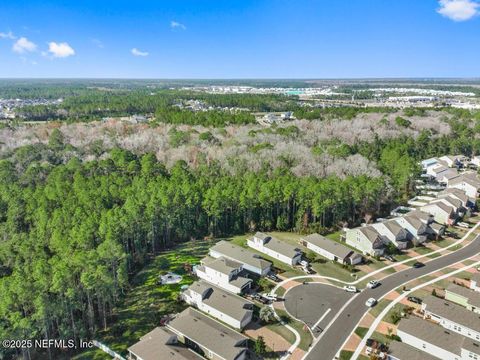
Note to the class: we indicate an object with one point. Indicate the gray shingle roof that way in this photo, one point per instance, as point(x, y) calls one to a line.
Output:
point(223, 265)
point(209, 333)
point(370, 233)
point(432, 333)
point(160, 343)
point(473, 297)
point(225, 302)
point(331, 246)
point(404, 351)
point(278, 246)
point(240, 254)
point(453, 312)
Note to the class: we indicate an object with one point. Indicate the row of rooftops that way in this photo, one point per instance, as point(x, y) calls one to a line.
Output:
point(199, 328)
point(436, 335)
point(240, 254)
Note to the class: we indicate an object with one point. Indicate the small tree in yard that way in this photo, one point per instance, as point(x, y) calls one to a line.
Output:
point(260, 347)
point(266, 314)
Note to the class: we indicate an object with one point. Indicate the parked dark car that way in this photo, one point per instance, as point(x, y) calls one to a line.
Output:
point(390, 258)
point(418, 265)
point(414, 299)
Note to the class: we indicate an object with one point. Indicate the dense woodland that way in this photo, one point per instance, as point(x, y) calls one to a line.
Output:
point(77, 222)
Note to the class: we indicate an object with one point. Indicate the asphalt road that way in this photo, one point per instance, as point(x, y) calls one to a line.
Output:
point(315, 304)
point(334, 337)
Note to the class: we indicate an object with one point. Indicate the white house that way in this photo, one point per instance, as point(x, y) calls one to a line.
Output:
point(445, 177)
point(161, 343)
point(419, 230)
point(436, 170)
point(275, 248)
point(475, 160)
point(367, 240)
point(396, 234)
point(441, 212)
point(452, 160)
point(208, 336)
point(251, 261)
point(330, 249)
point(222, 305)
point(428, 163)
point(467, 182)
point(224, 273)
point(433, 339)
point(451, 316)
point(466, 201)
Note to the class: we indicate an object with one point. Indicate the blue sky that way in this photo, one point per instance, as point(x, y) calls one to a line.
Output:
point(240, 39)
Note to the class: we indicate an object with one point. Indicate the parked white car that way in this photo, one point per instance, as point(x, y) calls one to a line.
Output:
point(371, 302)
point(463, 225)
point(270, 297)
point(372, 284)
point(349, 288)
point(304, 263)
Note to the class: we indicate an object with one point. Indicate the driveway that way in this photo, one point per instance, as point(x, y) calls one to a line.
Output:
point(315, 304)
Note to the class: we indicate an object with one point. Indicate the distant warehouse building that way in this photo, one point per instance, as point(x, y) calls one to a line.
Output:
point(330, 249)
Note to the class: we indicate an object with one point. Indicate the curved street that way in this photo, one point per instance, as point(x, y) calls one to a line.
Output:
point(346, 321)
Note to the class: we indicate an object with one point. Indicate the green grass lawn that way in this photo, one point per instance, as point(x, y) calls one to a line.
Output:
point(377, 309)
point(306, 338)
point(334, 269)
point(146, 302)
point(361, 331)
point(345, 355)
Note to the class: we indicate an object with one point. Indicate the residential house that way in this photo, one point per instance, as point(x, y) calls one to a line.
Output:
point(452, 317)
point(401, 351)
point(435, 340)
point(396, 234)
point(428, 163)
point(209, 337)
point(464, 296)
point(453, 202)
point(468, 182)
point(251, 261)
point(445, 177)
point(220, 304)
point(453, 160)
point(330, 249)
point(475, 282)
point(441, 212)
point(367, 240)
point(419, 230)
point(467, 202)
point(224, 273)
point(437, 170)
point(475, 160)
point(160, 344)
point(275, 248)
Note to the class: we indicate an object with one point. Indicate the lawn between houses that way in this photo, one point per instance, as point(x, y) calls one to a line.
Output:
point(146, 302)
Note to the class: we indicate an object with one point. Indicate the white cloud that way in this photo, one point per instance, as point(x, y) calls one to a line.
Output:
point(136, 52)
point(458, 10)
point(60, 50)
point(176, 25)
point(23, 45)
point(7, 35)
